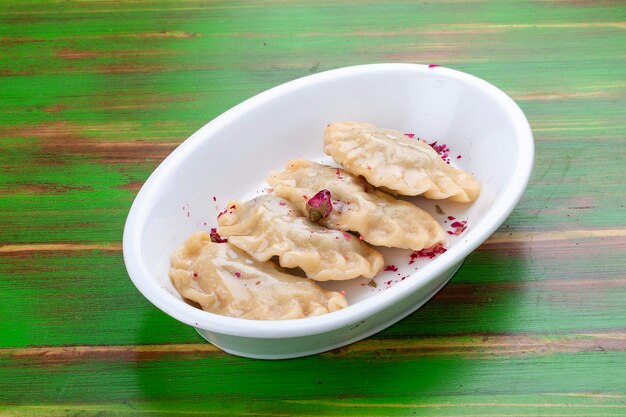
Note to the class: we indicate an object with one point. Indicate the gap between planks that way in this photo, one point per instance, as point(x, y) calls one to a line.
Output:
point(129, 409)
point(486, 347)
point(496, 238)
point(454, 405)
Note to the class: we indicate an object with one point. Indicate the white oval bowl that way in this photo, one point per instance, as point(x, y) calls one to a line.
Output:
point(230, 157)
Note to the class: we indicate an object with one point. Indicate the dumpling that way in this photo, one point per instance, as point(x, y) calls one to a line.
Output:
point(379, 218)
point(388, 158)
point(270, 226)
point(225, 280)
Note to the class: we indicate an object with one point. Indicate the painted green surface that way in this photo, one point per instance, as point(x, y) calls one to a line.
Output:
point(94, 94)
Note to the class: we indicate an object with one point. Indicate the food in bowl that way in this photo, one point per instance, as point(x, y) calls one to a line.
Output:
point(391, 160)
point(379, 218)
point(223, 279)
point(212, 271)
point(269, 226)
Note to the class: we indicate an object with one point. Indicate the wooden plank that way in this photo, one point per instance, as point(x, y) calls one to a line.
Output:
point(495, 291)
point(556, 404)
point(364, 383)
point(42, 203)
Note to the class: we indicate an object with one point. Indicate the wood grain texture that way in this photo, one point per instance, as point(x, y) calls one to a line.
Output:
point(94, 94)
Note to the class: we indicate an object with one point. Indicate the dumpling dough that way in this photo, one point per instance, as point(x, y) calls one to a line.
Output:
point(270, 226)
point(379, 218)
point(225, 280)
point(388, 158)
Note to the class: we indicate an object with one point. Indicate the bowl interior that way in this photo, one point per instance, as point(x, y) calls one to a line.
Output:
point(230, 157)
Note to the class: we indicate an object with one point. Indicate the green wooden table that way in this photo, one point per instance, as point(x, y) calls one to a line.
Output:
point(93, 95)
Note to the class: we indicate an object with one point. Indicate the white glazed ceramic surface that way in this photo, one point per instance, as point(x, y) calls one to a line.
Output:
point(230, 157)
